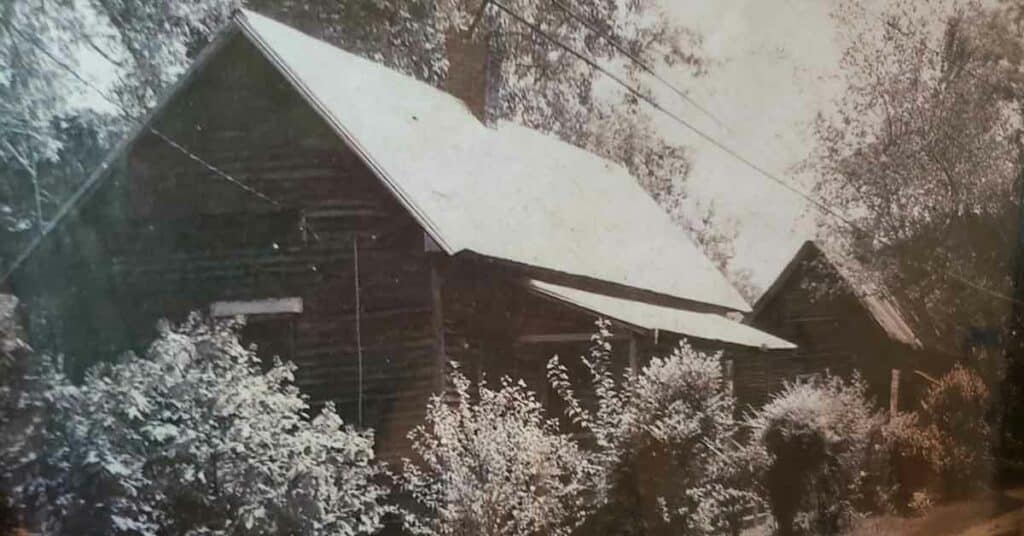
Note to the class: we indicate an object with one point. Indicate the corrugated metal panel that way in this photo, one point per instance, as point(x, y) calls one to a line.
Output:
point(887, 314)
point(653, 317)
point(505, 192)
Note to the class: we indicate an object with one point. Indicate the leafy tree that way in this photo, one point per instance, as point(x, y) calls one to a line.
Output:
point(664, 442)
point(818, 438)
point(192, 438)
point(490, 463)
point(13, 353)
point(923, 152)
point(55, 127)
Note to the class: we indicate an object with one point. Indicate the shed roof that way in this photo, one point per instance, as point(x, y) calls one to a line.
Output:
point(879, 302)
point(506, 192)
point(708, 326)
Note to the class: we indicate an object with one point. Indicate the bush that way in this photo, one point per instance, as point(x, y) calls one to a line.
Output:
point(493, 465)
point(664, 441)
point(903, 463)
point(818, 439)
point(953, 419)
point(193, 439)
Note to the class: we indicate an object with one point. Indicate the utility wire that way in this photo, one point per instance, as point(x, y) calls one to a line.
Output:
point(657, 106)
point(84, 188)
point(579, 55)
point(132, 117)
point(821, 206)
point(617, 45)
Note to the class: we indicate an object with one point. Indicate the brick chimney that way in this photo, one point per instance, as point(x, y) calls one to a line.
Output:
point(472, 68)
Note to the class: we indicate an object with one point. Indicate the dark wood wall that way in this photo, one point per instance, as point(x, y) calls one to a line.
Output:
point(816, 309)
point(167, 236)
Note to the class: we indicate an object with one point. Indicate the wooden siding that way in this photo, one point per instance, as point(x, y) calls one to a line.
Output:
point(815, 309)
point(168, 236)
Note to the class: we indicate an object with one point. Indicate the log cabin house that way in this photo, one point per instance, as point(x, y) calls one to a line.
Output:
point(842, 322)
point(370, 228)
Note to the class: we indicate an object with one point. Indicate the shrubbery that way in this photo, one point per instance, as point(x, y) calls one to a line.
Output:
point(192, 438)
point(954, 415)
point(492, 464)
point(944, 448)
point(664, 442)
point(818, 438)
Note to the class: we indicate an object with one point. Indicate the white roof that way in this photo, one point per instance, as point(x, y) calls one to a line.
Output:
point(505, 192)
point(708, 326)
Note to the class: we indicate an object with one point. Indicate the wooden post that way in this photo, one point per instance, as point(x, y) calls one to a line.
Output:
point(894, 393)
point(437, 322)
point(634, 359)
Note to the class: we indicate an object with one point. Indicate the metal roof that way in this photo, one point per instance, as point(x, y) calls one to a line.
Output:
point(505, 192)
point(877, 300)
point(708, 326)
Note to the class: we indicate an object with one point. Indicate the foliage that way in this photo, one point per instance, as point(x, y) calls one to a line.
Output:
point(954, 419)
point(490, 463)
point(193, 439)
point(12, 346)
point(902, 467)
point(664, 441)
point(45, 93)
point(923, 152)
point(817, 437)
point(13, 353)
point(941, 450)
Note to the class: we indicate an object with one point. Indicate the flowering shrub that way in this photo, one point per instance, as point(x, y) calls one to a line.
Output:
point(191, 439)
point(493, 465)
point(954, 422)
point(817, 437)
point(664, 444)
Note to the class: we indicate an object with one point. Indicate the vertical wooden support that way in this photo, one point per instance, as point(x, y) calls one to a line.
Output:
point(894, 393)
point(437, 321)
point(729, 375)
point(634, 359)
point(359, 327)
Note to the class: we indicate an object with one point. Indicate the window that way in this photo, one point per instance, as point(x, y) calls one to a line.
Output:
point(269, 325)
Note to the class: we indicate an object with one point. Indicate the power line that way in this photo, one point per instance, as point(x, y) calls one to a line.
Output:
point(656, 105)
point(617, 45)
point(214, 169)
point(132, 117)
point(821, 206)
point(86, 187)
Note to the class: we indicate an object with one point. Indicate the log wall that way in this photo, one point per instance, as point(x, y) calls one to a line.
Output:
point(167, 235)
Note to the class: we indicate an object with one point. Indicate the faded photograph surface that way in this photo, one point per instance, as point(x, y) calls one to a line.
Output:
point(511, 267)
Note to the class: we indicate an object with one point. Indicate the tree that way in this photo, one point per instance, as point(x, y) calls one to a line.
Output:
point(923, 151)
point(665, 442)
point(490, 463)
point(192, 438)
point(56, 126)
point(13, 353)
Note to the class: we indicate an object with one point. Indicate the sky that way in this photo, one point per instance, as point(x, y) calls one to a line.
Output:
point(775, 66)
